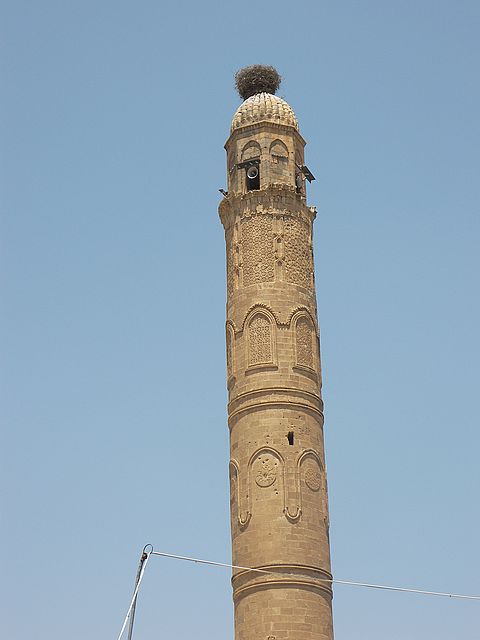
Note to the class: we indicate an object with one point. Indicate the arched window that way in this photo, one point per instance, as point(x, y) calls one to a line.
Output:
point(250, 163)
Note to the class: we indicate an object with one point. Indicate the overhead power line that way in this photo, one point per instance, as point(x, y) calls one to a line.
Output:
point(334, 580)
point(146, 556)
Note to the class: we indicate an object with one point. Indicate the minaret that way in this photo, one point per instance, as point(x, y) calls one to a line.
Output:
point(279, 509)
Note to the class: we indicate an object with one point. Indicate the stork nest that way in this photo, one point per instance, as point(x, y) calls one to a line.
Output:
point(257, 78)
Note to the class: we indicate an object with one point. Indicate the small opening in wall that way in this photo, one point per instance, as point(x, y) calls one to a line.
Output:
point(253, 178)
point(290, 437)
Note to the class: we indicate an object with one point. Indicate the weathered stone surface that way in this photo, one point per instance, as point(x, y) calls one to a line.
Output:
point(279, 506)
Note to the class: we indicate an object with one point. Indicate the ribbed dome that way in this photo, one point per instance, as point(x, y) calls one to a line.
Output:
point(263, 107)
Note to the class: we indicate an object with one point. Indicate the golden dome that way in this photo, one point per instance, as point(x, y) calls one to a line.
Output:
point(263, 107)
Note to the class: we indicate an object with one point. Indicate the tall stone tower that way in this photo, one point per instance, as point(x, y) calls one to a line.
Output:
point(279, 509)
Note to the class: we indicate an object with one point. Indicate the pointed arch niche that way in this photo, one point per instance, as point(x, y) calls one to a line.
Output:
point(279, 151)
point(230, 344)
point(305, 340)
point(251, 150)
point(261, 339)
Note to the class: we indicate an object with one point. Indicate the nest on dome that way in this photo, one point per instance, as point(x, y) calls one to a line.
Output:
point(258, 78)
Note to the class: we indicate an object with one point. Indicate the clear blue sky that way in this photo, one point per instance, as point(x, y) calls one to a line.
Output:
point(114, 116)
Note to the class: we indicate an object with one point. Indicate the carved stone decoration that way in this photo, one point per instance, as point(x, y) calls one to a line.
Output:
point(279, 519)
point(238, 501)
point(265, 470)
point(298, 253)
point(304, 334)
point(233, 496)
point(279, 169)
point(230, 265)
point(260, 347)
point(233, 259)
point(258, 251)
point(293, 498)
point(229, 353)
point(233, 484)
point(313, 477)
point(251, 150)
point(278, 245)
point(309, 467)
point(278, 149)
point(230, 339)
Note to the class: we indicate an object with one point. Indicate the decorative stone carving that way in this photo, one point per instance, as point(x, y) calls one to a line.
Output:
point(278, 151)
point(260, 347)
point(309, 467)
point(250, 150)
point(313, 478)
point(279, 148)
point(265, 470)
point(310, 464)
point(230, 339)
point(230, 265)
point(268, 311)
point(233, 496)
point(278, 483)
point(299, 311)
point(279, 199)
point(257, 249)
point(304, 334)
point(298, 262)
point(233, 485)
point(233, 259)
point(239, 502)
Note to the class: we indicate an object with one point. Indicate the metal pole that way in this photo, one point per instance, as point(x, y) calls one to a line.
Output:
point(143, 557)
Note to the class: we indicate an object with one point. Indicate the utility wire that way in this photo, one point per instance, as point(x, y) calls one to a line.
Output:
point(146, 556)
point(334, 580)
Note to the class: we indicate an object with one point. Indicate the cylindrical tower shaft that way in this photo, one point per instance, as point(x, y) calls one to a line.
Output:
point(279, 509)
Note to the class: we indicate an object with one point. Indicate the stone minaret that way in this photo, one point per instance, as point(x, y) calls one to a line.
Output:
point(279, 509)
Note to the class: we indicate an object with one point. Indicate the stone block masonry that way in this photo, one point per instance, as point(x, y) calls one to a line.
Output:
point(278, 485)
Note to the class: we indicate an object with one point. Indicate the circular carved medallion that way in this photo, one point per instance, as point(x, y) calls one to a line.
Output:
point(313, 479)
point(266, 472)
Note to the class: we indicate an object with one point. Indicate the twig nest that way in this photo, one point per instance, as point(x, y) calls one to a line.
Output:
point(258, 78)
